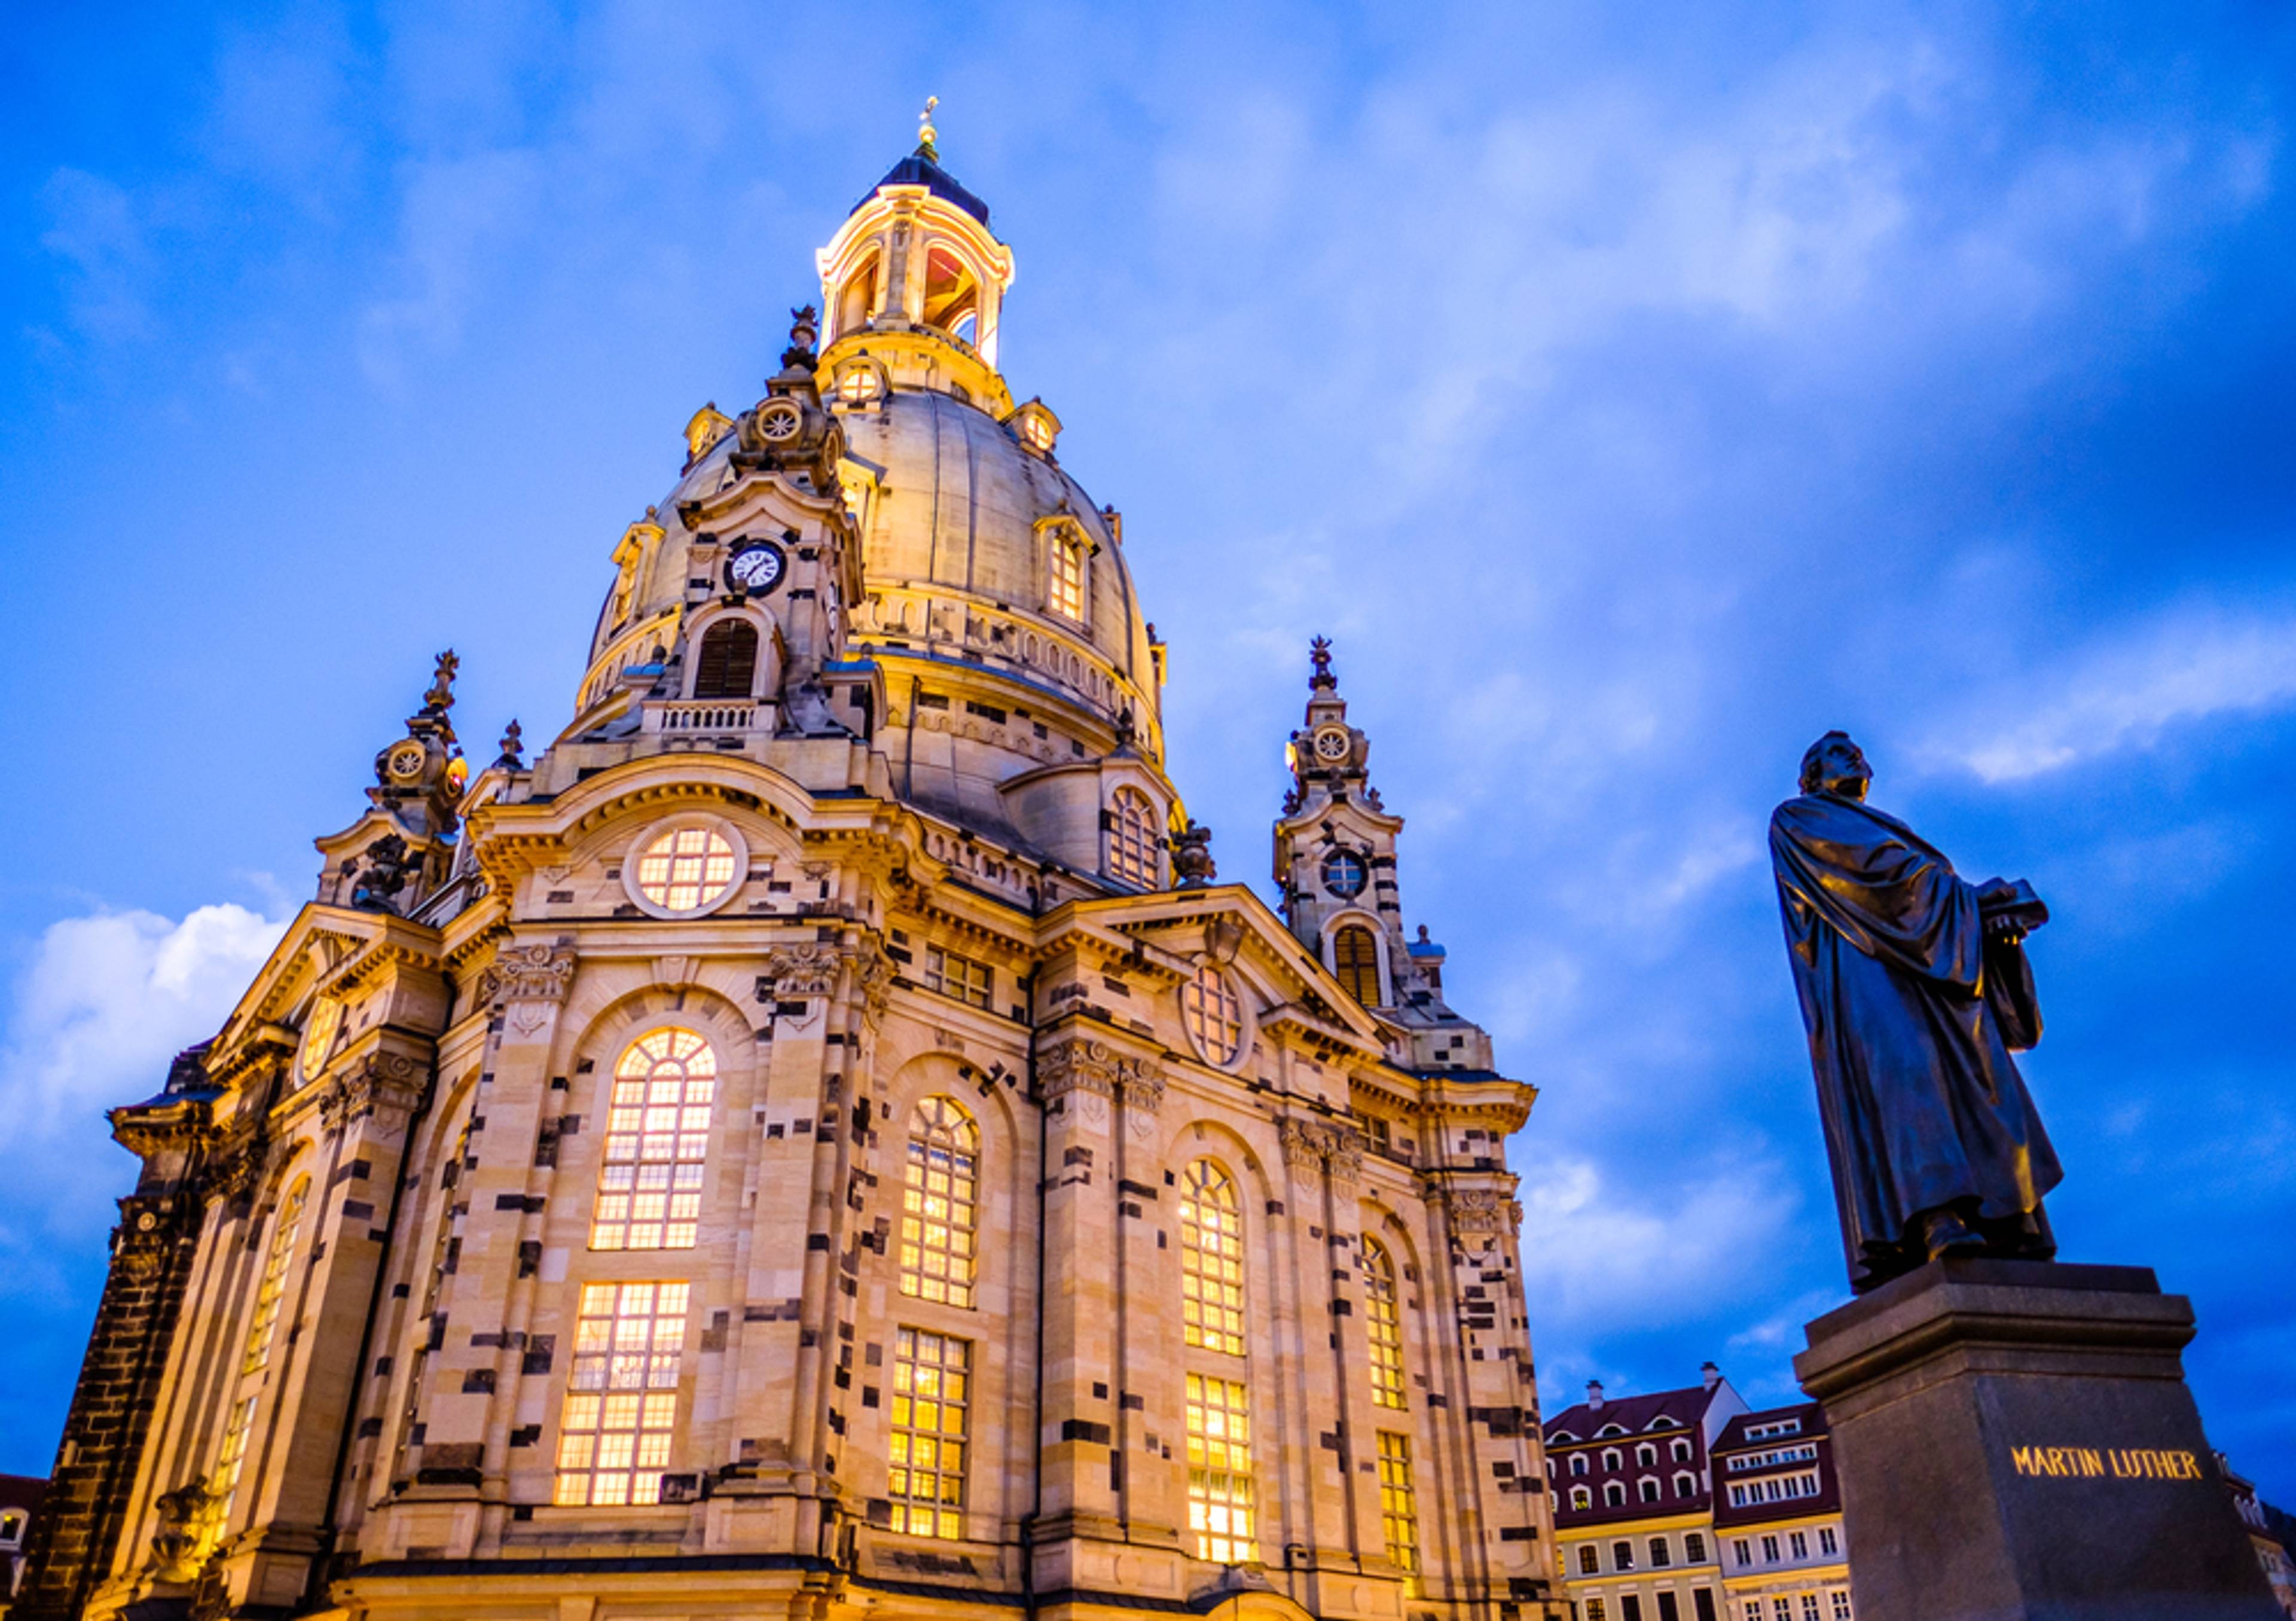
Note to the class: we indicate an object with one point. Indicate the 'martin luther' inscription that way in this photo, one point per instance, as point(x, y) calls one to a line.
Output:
point(2116, 1463)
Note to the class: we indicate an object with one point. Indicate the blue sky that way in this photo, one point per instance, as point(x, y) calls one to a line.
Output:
point(1632, 393)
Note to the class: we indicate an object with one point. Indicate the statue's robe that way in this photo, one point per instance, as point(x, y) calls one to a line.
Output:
point(1911, 1013)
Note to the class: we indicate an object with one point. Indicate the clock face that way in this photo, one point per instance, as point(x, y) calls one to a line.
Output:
point(778, 420)
point(757, 568)
point(406, 761)
point(1332, 743)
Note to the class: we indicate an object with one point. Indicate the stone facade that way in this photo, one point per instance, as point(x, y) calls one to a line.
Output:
point(819, 1138)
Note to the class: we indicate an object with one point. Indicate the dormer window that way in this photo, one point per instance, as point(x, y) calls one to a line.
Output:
point(1064, 586)
point(726, 664)
point(859, 385)
point(1131, 823)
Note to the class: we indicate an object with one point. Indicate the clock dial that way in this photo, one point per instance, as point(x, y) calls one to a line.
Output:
point(779, 419)
point(1332, 744)
point(757, 568)
point(406, 761)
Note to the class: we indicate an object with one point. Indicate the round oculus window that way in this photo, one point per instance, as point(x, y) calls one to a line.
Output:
point(687, 870)
point(1332, 744)
point(779, 419)
point(1213, 1014)
point(405, 760)
point(1344, 874)
point(319, 1030)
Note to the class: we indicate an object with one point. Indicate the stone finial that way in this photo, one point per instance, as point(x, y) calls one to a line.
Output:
point(804, 332)
point(927, 137)
point(440, 697)
point(1192, 856)
point(1709, 1374)
point(1594, 1396)
point(512, 749)
point(1320, 679)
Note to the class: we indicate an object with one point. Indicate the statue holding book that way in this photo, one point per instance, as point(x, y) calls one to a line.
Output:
point(1914, 991)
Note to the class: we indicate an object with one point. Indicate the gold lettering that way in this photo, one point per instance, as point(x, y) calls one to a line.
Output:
point(2023, 1458)
point(2090, 1463)
point(2117, 1463)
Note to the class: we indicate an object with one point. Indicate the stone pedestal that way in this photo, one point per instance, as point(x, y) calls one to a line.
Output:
point(2015, 1439)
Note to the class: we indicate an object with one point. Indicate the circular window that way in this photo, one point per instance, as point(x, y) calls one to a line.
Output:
point(1344, 874)
point(685, 870)
point(858, 386)
point(319, 1028)
point(1214, 1015)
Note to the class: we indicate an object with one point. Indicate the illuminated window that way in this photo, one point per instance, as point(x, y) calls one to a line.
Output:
point(952, 294)
point(324, 1023)
point(1397, 1516)
point(1356, 957)
point(1214, 1015)
point(726, 664)
point(1219, 1471)
point(686, 869)
point(1383, 1326)
point(932, 1395)
point(1596, 1610)
point(959, 976)
point(1581, 1498)
point(1132, 839)
point(274, 1283)
point(657, 1144)
point(1064, 584)
point(231, 1459)
point(1590, 1559)
point(1211, 1260)
point(858, 386)
point(621, 1402)
point(938, 1208)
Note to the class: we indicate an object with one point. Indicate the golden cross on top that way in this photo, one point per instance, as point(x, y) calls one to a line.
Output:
point(927, 136)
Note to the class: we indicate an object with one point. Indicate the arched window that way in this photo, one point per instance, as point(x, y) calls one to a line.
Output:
point(285, 1226)
point(1649, 1487)
point(1214, 1015)
point(1611, 1459)
point(1686, 1485)
point(622, 1402)
point(1211, 1259)
point(951, 295)
point(1646, 1454)
point(1383, 1326)
point(1356, 957)
point(1581, 1498)
point(1681, 1451)
point(938, 1205)
point(1578, 1463)
point(1614, 1495)
point(857, 300)
point(1132, 839)
point(657, 1144)
point(726, 665)
point(1064, 576)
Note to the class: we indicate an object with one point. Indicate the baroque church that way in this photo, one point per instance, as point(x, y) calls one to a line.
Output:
point(818, 1138)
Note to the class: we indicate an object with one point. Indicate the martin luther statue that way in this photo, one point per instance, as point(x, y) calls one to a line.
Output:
point(1915, 990)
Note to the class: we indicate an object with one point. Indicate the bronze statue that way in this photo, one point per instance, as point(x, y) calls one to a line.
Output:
point(1915, 990)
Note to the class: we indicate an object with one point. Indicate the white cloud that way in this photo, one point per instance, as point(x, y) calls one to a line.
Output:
point(1597, 1257)
point(106, 1001)
point(94, 229)
point(2127, 695)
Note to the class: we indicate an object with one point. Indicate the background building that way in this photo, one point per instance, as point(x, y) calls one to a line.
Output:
point(818, 1138)
point(1777, 1517)
point(1633, 1492)
point(19, 1504)
point(2268, 1531)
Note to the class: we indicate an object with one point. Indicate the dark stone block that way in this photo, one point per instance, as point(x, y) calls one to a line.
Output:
point(2015, 1440)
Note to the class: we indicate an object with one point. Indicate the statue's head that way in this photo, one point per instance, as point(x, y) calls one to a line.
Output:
point(1834, 764)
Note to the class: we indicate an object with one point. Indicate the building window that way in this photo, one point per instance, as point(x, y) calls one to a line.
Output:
point(1614, 1495)
point(1581, 1498)
point(1649, 1489)
point(686, 869)
point(1741, 1551)
point(939, 1208)
point(1693, 1548)
point(1841, 1600)
point(1132, 839)
point(1064, 593)
point(1214, 1015)
point(1630, 1607)
point(231, 1458)
point(1595, 1610)
point(321, 1026)
point(1590, 1559)
point(1781, 1608)
point(1801, 1545)
point(1345, 874)
point(1611, 1457)
point(1681, 1451)
point(1769, 1550)
point(1356, 957)
point(858, 386)
point(285, 1226)
point(959, 976)
point(1809, 1607)
point(1660, 1554)
point(726, 664)
point(1622, 1556)
point(1211, 1260)
point(1782, 1427)
point(621, 1402)
point(933, 1378)
point(1398, 1514)
point(1219, 1471)
point(1383, 1326)
point(1646, 1455)
point(1827, 1542)
point(657, 1144)
point(1578, 1463)
point(1754, 1609)
point(1686, 1485)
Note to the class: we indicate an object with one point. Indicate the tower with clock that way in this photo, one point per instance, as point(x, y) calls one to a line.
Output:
point(818, 1140)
